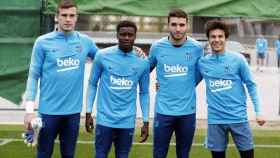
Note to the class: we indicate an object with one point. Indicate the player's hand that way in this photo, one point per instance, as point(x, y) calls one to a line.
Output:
point(144, 132)
point(28, 117)
point(89, 123)
point(31, 136)
point(140, 52)
point(260, 120)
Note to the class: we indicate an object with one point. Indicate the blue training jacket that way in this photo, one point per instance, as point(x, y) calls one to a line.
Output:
point(177, 74)
point(225, 76)
point(261, 45)
point(277, 47)
point(118, 74)
point(57, 66)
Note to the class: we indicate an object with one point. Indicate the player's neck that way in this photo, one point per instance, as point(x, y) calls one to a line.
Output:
point(66, 33)
point(177, 43)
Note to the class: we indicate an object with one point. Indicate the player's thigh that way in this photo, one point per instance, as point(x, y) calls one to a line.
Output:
point(69, 133)
point(163, 128)
point(123, 141)
point(217, 137)
point(242, 136)
point(103, 139)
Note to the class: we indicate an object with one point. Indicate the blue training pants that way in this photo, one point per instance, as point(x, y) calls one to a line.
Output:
point(105, 136)
point(66, 126)
point(164, 126)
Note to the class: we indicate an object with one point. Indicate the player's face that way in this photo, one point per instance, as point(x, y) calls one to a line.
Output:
point(178, 28)
point(217, 40)
point(67, 18)
point(126, 37)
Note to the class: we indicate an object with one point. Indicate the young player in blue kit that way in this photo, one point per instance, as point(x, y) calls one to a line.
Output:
point(175, 58)
point(261, 48)
point(277, 50)
point(225, 74)
point(118, 70)
point(57, 66)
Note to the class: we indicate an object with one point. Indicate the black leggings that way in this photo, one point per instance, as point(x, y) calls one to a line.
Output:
point(218, 154)
point(243, 154)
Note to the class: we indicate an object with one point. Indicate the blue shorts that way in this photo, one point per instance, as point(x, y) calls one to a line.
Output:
point(105, 136)
point(217, 136)
point(66, 126)
point(261, 55)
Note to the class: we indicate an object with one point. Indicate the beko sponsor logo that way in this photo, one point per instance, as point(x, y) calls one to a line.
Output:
point(120, 83)
point(220, 85)
point(67, 64)
point(175, 70)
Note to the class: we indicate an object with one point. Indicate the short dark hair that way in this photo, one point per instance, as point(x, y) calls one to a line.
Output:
point(179, 13)
point(216, 24)
point(126, 23)
point(65, 4)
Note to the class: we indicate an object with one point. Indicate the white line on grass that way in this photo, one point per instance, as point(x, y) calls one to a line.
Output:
point(7, 140)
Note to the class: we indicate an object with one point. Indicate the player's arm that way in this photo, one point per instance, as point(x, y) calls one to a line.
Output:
point(92, 51)
point(152, 57)
point(198, 76)
point(266, 45)
point(198, 71)
point(35, 72)
point(95, 74)
point(257, 45)
point(145, 102)
point(247, 78)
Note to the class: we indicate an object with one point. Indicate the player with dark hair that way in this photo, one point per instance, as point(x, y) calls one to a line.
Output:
point(175, 58)
point(225, 74)
point(116, 73)
point(261, 49)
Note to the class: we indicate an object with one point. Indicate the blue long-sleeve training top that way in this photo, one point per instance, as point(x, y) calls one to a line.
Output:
point(225, 76)
point(261, 45)
point(177, 74)
point(277, 47)
point(116, 75)
point(57, 65)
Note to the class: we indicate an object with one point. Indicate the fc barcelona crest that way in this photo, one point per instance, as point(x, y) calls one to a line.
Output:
point(188, 56)
point(78, 48)
point(227, 68)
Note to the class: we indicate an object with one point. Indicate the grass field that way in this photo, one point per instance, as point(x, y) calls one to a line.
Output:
point(11, 146)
